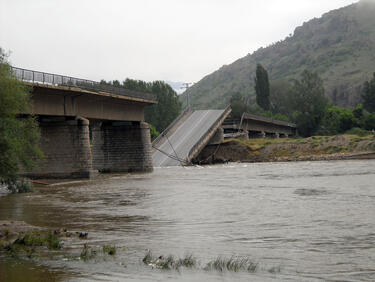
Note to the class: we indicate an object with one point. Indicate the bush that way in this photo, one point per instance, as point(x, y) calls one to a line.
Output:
point(20, 186)
point(337, 120)
point(358, 131)
point(19, 137)
point(154, 133)
point(369, 122)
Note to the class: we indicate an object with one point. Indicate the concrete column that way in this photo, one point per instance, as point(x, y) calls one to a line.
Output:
point(66, 147)
point(121, 147)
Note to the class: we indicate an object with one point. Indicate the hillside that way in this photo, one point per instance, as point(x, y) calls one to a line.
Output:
point(340, 46)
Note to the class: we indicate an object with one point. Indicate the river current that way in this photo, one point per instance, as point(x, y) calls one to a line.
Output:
point(311, 221)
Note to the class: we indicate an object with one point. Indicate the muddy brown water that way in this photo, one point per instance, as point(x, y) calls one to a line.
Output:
point(313, 221)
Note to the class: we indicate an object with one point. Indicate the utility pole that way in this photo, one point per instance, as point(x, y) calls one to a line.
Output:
point(186, 86)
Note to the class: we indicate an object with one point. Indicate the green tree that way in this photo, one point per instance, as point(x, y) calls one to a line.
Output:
point(19, 135)
point(238, 105)
point(309, 102)
point(369, 122)
point(168, 106)
point(280, 97)
point(368, 95)
point(337, 120)
point(262, 88)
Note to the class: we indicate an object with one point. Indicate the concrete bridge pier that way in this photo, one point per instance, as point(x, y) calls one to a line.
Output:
point(65, 143)
point(121, 146)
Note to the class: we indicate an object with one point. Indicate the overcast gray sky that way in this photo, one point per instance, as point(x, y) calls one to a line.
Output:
point(178, 40)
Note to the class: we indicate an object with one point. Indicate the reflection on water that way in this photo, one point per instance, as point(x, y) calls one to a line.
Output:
point(314, 220)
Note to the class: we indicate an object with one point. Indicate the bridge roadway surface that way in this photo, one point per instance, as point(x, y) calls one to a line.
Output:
point(185, 137)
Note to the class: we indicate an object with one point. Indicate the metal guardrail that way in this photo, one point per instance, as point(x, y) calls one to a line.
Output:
point(60, 80)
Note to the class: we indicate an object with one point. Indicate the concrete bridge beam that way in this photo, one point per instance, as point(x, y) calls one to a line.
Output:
point(121, 146)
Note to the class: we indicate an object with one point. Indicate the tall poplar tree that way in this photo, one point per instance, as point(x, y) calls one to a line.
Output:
point(262, 88)
point(369, 95)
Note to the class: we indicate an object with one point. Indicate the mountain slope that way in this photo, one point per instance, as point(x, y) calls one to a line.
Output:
point(340, 46)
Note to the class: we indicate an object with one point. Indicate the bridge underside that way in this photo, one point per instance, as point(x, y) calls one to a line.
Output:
point(257, 126)
point(66, 101)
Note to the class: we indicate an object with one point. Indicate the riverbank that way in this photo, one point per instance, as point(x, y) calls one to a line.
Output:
point(314, 148)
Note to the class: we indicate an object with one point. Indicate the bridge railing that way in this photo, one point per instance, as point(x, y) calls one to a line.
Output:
point(61, 80)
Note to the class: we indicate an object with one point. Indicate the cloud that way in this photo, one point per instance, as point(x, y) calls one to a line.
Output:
point(146, 39)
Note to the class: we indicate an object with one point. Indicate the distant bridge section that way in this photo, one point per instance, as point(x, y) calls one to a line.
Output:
point(187, 136)
point(258, 126)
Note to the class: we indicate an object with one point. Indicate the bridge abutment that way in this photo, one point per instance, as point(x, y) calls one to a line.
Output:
point(121, 146)
point(65, 143)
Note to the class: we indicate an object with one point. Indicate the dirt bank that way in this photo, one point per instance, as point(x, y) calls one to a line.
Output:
point(300, 149)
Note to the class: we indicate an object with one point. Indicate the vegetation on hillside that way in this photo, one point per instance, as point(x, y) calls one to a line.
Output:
point(339, 46)
point(369, 95)
point(19, 136)
point(161, 114)
point(262, 88)
point(303, 102)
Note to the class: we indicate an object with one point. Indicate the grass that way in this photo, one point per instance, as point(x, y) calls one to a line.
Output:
point(37, 238)
point(232, 264)
point(89, 253)
point(6, 232)
point(110, 250)
point(27, 244)
point(169, 262)
point(296, 148)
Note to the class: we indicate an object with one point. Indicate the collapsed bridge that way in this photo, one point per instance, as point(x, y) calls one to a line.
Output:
point(192, 131)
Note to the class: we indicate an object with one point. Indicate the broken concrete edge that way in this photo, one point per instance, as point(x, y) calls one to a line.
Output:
point(207, 137)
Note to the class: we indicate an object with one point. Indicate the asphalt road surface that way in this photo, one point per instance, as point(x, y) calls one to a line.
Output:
point(185, 137)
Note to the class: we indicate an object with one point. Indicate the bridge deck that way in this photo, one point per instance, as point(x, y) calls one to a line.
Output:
point(67, 83)
point(186, 137)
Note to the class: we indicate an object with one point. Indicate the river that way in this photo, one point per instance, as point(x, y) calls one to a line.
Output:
point(311, 221)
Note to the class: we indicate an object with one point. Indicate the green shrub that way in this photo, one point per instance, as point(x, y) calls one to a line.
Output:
point(358, 131)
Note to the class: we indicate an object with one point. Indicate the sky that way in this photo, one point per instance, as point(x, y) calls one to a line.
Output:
point(173, 40)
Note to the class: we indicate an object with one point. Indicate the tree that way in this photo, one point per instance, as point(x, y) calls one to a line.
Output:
point(368, 95)
point(309, 103)
point(280, 97)
point(166, 110)
point(237, 104)
point(19, 135)
point(262, 88)
point(168, 106)
point(338, 120)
